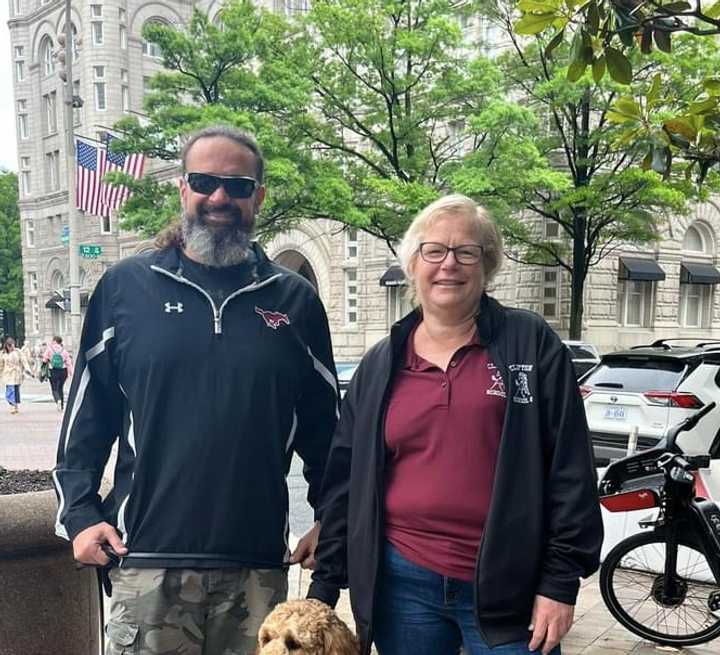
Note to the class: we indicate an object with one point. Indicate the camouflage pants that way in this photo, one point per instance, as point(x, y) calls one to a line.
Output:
point(190, 611)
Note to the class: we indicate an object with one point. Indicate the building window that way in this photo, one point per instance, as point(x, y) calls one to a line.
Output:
point(123, 37)
point(52, 170)
point(32, 282)
point(105, 225)
point(693, 241)
point(97, 32)
point(695, 305)
point(351, 297)
point(96, 11)
point(25, 175)
point(15, 7)
point(125, 90)
point(50, 114)
point(551, 294)
point(47, 56)
point(19, 63)
point(122, 15)
point(35, 315)
point(30, 233)
point(77, 111)
point(146, 86)
point(635, 303)
point(99, 85)
point(152, 49)
point(398, 303)
point(552, 229)
point(351, 243)
point(22, 119)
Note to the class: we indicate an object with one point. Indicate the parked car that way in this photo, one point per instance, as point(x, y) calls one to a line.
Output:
point(652, 387)
point(584, 355)
point(345, 371)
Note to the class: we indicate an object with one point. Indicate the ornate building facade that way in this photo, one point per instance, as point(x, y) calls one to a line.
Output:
point(667, 289)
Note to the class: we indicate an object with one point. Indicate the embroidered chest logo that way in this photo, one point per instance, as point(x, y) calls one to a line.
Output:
point(177, 307)
point(521, 383)
point(273, 319)
point(498, 386)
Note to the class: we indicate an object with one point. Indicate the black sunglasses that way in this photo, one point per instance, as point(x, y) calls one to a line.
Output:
point(235, 186)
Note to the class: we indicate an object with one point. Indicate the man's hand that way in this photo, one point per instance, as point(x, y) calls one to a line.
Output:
point(305, 552)
point(87, 544)
point(551, 621)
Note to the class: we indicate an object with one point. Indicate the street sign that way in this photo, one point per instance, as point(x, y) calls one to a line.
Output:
point(90, 252)
point(65, 235)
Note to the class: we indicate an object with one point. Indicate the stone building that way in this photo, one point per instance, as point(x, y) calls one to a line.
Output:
point(667, 289)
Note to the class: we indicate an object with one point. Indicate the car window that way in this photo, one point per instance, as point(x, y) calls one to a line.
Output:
point(582, 352)
point(637, 375)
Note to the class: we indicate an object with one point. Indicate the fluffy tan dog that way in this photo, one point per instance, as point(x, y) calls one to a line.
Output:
point(305, 627)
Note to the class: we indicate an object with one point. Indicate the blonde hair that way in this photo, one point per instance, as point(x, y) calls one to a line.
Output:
point(455, 205)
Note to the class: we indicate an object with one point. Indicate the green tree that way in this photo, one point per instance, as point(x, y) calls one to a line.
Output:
point(366, 109)
point(228, 75)
point(605, 192)
point(618, 36)
point(11, 281)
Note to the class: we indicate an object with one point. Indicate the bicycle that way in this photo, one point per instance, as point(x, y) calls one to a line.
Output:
point(664, 585)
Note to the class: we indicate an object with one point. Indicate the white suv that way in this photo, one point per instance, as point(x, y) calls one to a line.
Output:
point(652, 388)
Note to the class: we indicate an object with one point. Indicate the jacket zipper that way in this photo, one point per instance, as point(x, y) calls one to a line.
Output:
point(217, 314)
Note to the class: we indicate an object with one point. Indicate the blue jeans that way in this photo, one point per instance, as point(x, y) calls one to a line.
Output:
point(419, 612)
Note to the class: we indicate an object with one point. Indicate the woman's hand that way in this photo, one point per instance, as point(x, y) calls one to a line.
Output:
point(551, 621)
point(304, 554)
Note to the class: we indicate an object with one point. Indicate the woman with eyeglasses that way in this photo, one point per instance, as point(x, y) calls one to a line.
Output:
point(459, 497)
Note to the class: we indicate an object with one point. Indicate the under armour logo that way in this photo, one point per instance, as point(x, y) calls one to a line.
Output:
point(174, 308)
point(273, 319)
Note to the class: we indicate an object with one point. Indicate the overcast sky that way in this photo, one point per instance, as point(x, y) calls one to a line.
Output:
point(8, 143)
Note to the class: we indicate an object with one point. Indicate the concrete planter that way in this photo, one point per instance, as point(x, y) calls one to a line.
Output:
point(46, 605)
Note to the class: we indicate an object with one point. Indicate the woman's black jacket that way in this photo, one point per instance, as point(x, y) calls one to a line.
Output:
point(544, 529)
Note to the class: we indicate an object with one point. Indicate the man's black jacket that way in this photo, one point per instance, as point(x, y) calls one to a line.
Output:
point(544, 529)
point(208, 402)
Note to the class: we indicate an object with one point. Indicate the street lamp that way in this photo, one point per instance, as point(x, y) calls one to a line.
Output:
point(65, 58)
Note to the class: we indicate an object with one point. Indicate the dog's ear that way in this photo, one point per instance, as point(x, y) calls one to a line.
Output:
point(339, 640)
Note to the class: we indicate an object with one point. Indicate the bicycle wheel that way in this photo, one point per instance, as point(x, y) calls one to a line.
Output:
point(633, 584)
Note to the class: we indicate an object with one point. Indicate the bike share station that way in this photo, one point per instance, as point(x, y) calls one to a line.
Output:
point(660, 576)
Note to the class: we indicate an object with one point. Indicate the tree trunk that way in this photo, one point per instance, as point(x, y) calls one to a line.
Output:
point(579, 271)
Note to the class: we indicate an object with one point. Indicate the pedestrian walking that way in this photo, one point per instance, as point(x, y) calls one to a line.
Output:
point(459, 499)
point(13, 367)
point(211, 365)
point(27, 354)
point(59, 367)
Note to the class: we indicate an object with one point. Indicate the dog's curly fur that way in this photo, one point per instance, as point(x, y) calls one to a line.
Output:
point(305, 627)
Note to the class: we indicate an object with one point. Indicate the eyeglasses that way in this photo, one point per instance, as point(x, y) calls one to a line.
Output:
point(235, 186)
point(435, 253)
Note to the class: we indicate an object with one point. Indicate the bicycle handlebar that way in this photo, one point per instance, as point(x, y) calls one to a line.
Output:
point(688, 424)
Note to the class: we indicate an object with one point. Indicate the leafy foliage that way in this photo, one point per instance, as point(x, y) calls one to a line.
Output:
point(11, 281)
point(620, 36)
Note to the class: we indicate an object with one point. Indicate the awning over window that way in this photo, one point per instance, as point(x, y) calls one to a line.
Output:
point(393, 277)
point(636, 268)
point(57, 301)
point(694, 273)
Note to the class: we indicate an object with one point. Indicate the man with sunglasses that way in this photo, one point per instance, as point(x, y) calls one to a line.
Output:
point(211, 366)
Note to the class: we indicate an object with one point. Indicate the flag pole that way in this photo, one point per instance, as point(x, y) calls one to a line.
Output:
point(73, 218)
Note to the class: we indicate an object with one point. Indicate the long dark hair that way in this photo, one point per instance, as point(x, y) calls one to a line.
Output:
point(6, 340)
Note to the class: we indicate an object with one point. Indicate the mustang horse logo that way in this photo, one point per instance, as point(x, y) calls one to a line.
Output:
point(272, 319)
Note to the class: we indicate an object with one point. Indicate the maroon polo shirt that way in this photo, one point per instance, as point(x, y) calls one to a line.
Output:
point(442, 434)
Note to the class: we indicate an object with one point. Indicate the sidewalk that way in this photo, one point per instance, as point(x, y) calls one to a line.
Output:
point(29, 440)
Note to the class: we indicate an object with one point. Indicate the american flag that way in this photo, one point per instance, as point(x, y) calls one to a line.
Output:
point(132, 164)
point(88, 185)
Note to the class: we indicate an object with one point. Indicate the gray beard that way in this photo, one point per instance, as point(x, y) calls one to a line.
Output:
point(218, 248)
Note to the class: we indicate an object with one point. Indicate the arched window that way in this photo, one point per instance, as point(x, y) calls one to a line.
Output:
point(150, 49)
point(57, 281)
point(83, 280)
point(46, 56)
point(693, 241)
